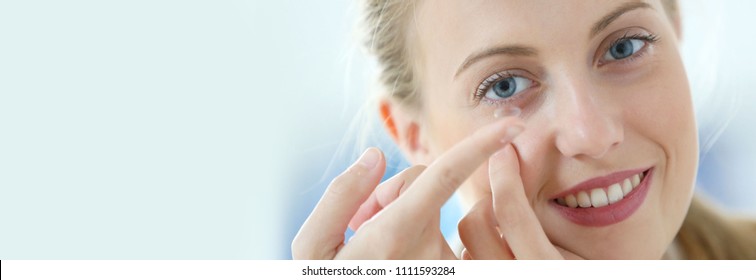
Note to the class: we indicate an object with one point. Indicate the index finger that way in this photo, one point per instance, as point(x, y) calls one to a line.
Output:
point(517, 221)
point(441, 179)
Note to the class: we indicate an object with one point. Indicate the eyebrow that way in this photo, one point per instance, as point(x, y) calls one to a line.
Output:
point(520, 50)
point(611, 17)
point(513, 50)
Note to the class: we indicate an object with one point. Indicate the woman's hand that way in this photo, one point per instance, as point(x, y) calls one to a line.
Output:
point(504, 226)
point(408, 227)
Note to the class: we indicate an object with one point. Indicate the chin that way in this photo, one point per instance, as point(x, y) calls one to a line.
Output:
point(617, 242)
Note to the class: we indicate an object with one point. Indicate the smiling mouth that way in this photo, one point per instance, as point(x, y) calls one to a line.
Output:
point(603, 196)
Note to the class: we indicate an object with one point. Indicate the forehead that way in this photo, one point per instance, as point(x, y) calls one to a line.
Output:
point(461, 27)
point(542, 15)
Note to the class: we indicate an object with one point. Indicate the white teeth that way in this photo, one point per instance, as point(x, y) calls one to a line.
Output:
point(635, 180)
point(583, 199)
point(571, 201)
point(614, 193)
point(627, 186)
point(598, 198)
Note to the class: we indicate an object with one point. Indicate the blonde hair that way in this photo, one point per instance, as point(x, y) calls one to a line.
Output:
point(387, 29)
point(705, 233)
point(708, 234)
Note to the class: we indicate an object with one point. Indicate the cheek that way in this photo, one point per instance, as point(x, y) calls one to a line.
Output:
point(674, 127)
point(664, 115)
point(664, 120)
point(661, 103)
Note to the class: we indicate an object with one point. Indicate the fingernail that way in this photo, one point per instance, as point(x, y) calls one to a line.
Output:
point(512, 132)
point(369, 159)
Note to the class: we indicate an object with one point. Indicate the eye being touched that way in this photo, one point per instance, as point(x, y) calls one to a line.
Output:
point(502, 86)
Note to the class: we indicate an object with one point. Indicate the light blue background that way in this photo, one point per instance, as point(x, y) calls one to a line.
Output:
point(207, 129)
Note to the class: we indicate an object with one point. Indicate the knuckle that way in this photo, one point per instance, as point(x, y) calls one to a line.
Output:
point(340, 184)
point(448, 180)
point(512, 217)
point(473, 220)
point(477, 218)
point(463, 224)
point(337, 186)
point(409, 175)
point(465, 228)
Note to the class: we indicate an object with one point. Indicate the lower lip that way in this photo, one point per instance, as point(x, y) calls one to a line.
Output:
point(610, 214)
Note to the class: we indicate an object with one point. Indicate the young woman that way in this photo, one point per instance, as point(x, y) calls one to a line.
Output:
point(566, 126)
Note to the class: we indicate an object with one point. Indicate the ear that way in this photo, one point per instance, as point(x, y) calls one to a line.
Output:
point(405, 129)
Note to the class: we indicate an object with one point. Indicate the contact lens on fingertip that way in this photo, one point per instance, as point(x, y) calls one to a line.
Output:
point(507, 111)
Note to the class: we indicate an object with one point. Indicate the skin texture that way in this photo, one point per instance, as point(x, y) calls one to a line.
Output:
point(583, 116)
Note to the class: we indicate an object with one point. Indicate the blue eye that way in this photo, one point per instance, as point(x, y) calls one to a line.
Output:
point(503, 88)
point(624, 48)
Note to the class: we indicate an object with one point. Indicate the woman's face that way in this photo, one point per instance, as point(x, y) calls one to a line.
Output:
point(603, 94)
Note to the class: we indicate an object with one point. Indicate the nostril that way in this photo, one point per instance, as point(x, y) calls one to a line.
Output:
point(577, 144)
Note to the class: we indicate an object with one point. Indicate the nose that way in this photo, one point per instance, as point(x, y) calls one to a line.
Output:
point(587, 123)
